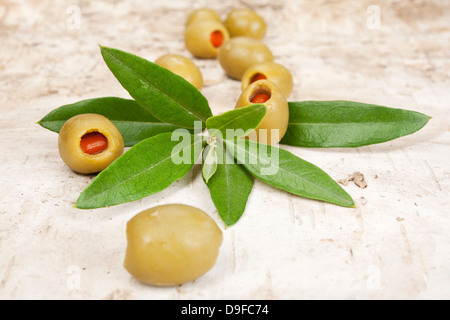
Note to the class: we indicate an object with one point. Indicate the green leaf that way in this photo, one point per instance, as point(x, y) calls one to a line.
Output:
point(241, 121)
point(229, 187)
point(327, 124)
point(167, 96)
point(147, 168)
point(133, 121)
point(209, 165)
point(282, 169)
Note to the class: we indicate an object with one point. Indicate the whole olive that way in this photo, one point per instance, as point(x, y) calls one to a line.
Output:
point(88, 143)
point(274, 125)
point(203, 38)
point(245, 22)
point(182, 66)
point(203, 14)
point(272, 71)
point(240, 53)
point(172, 244)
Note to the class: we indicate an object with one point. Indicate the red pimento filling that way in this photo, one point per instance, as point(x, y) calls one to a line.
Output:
point(93, 143)
point(216, 38)
point(260, 98)
point(258, 76)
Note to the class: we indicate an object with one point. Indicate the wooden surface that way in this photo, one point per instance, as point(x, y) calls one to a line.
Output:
point(394, 245)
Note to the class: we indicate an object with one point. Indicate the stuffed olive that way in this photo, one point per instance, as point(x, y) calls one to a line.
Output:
point(88, 143)
point(274, 125)
point(272, 71)
point(204, 38)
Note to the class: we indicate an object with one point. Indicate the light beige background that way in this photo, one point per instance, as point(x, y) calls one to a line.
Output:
point(394, 245)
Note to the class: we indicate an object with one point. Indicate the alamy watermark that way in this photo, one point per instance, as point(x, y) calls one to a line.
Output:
point(73, 21)
point(373, 21)
point(73, 281)
point(373, 281)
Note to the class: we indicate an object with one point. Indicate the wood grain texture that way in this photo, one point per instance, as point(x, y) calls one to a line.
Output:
point(394, 244)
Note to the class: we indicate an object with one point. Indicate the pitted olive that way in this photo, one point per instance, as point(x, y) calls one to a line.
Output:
point(245, 22)
point(172, 244)
point(182, 66)
point(203, 14)
point(240, 53)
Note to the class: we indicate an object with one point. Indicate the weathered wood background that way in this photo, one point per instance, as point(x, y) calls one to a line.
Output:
point(394, 245)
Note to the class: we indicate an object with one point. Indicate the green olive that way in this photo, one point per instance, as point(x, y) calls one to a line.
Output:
point(245, 22)
point(172, 244)
point(182, 66)
point(274, 125)
point(240, 53)
point(88, 143)
point(203, 38)
point(203, 14)
point(273, 71)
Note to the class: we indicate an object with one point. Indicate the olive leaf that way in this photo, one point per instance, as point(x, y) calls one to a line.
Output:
point(133, 121)
point(282, 169)
point(327, 124)
point(230, 187)
point(209, 165)
point(147, 168)
point(240, 121)
point(167, 96)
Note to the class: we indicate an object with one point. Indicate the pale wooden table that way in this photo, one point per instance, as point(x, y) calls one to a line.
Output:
point(394, 245)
